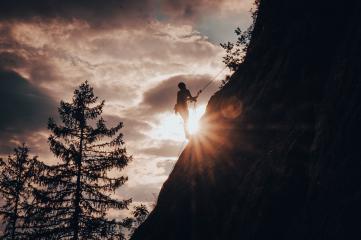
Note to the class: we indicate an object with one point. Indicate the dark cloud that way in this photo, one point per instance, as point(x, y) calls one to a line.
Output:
point(6, 40)
point(9, 56)
point(14, 55)
point(115, 92)
point(106, 13)
point(95, 12)
point(133, 129)
point(9, 60)
point(24, 109)
point(42, 72)
point(190, 9)
point(163, 96)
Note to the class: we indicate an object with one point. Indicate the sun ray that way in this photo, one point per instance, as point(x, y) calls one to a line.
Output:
point(195, 115)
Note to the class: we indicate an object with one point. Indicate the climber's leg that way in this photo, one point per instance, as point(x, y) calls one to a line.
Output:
point(185, 115)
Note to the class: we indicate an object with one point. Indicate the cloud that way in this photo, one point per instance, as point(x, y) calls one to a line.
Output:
point(140, 193)
point(105, 14)
point(190, 9)
point(24, 109)
point(133, 129)
point(17, 55)
point(95, 12)
point(120, 63)
point(166, 165)
point(163, 148)
point(9, 60)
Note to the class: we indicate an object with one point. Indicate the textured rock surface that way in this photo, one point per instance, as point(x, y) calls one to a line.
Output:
point(280, 152)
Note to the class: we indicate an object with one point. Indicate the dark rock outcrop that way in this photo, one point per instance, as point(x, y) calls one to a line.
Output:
point(279, 156)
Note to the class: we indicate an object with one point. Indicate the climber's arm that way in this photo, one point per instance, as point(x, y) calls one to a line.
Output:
point(190, 97)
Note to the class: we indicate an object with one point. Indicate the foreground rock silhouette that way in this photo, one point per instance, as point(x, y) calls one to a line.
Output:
point(279, 156)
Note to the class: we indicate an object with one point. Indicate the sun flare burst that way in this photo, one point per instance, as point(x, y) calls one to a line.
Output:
point(195, 115)
point(170, 126)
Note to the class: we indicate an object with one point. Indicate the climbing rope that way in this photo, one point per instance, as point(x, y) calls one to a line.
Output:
point(212, 79)
point(207, 85)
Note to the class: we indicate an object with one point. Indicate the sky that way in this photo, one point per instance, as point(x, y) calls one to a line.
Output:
point(133, 53)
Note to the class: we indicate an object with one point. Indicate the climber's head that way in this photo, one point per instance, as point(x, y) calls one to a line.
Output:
point(182, 85)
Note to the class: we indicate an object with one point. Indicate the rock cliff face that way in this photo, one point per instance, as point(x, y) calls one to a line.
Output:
point(279, 156)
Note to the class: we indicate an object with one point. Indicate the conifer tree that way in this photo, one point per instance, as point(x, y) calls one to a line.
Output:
point(15, 188)
point(74, 195)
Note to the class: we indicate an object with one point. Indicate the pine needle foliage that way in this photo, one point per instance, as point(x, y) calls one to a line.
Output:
point(236, 52)
point(140, 214)
point(74, 196)
point(16, 188)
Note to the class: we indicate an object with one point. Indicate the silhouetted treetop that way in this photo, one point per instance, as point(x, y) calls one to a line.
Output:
point(16, 188)
point(76, 194)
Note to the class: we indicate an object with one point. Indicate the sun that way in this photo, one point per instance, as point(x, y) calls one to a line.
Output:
point(170, 126)
point(195, 115)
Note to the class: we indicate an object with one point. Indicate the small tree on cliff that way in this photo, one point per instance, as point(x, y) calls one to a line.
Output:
point(140, 214)
point(235, 52)
point(75, 195)
point(15, 187)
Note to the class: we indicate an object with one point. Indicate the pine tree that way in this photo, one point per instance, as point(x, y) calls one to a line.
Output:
point(15, 187)
point(74, 196)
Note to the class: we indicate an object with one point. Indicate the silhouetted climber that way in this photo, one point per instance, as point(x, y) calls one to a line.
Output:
point(181, 107)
